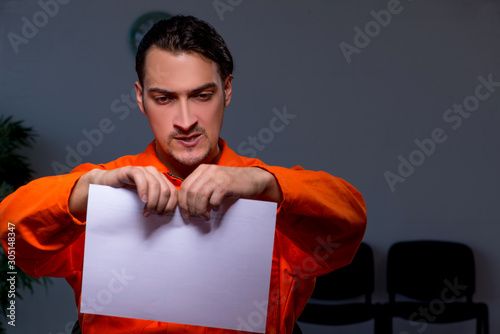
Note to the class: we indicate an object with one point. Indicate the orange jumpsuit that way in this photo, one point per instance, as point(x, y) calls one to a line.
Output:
point(320, 224)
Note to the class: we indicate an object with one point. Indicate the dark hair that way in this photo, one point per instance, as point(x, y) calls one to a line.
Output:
point(185, 34)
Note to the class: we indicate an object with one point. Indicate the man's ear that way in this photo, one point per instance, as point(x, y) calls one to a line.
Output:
point(138, 96)
point(228, 89)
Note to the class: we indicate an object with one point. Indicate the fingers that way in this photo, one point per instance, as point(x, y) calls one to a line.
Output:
point(203, 191)
point(200, 193)
point(190, 202)
point(155, 190)
point(157, 193)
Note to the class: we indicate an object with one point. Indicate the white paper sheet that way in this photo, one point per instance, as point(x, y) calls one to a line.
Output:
point(165, 268)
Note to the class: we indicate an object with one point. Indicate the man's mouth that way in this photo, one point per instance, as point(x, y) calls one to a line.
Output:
point(189, 140)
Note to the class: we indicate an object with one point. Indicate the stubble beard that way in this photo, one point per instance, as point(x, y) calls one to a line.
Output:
point(187, 159)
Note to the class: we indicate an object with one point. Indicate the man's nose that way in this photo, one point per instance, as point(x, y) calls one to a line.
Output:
point(185, 118)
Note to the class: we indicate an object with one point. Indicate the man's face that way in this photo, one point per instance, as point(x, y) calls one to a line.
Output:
point(184, 99)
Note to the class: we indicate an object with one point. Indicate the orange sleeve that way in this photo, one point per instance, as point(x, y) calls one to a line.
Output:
point(321, 220)
point(45, 230)
point(42, 223)
point(39, 215)
point(44, 227)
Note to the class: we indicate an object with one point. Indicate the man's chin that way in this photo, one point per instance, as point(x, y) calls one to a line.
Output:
point(190, 160)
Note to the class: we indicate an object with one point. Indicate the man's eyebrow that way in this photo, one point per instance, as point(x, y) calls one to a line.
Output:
point(203, 87)
point(194, 90)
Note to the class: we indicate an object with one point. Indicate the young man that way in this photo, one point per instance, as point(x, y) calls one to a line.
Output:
point(185, 83)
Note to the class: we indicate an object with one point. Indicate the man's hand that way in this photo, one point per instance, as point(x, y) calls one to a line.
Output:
point(205, 188)
point(153, 188)
point(201, 192)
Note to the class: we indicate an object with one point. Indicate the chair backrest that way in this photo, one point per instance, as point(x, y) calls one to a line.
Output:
point(354, 280)
point(427, 270)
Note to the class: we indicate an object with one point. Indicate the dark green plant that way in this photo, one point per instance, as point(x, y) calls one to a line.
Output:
point(14, 168)
point(15, 171)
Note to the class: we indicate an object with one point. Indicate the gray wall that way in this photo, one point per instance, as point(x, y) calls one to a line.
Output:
point(357, 115)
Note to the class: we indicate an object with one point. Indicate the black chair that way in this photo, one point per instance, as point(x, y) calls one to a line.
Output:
point(350, 282)
point(433, 276)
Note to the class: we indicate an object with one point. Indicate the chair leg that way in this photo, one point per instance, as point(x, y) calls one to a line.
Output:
point(486, 324)
point(382, 326)
point(383, 323)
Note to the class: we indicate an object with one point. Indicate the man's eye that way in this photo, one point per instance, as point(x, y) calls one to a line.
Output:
point(204, 96)
point(162, 99)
